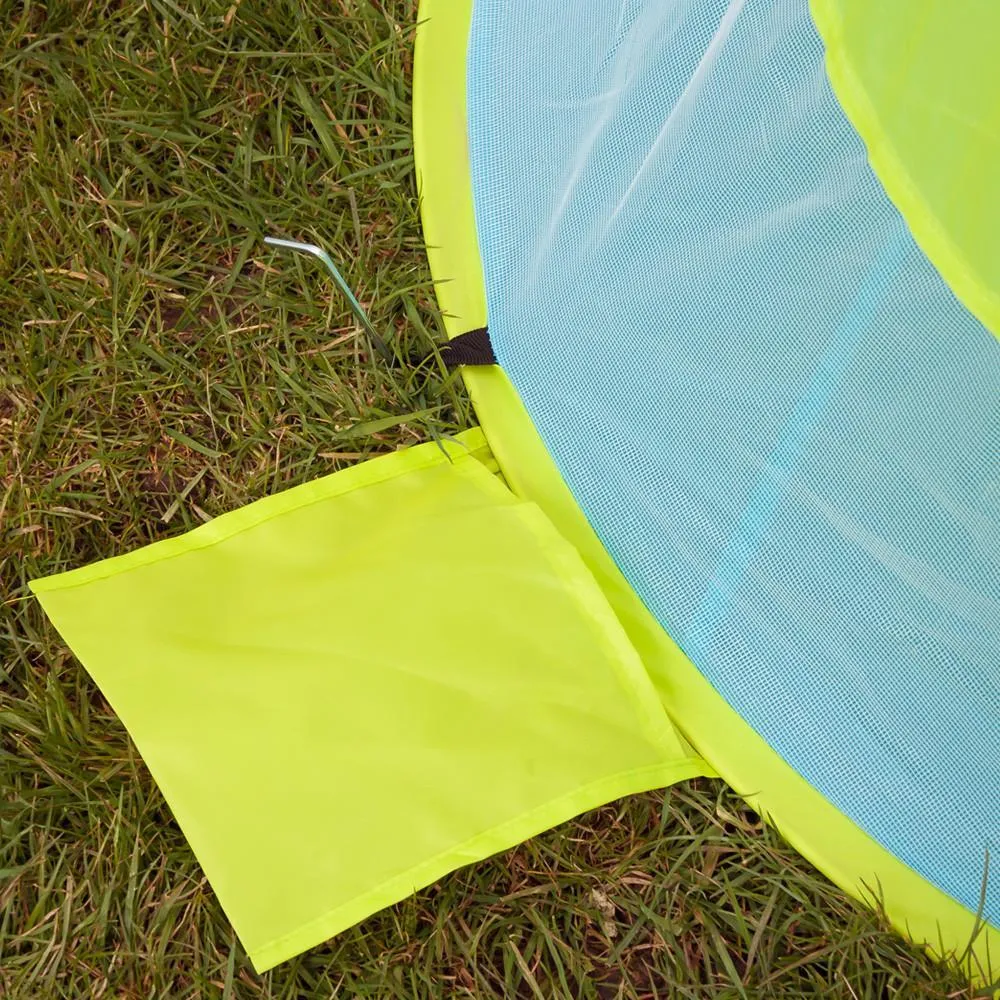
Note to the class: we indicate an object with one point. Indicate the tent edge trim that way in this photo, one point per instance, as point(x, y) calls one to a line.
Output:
point(819, 831)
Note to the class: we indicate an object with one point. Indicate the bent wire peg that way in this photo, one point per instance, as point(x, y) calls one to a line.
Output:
point(320, 254)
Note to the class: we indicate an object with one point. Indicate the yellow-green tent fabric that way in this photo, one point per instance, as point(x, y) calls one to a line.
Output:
point(350, 688)
point(932, 146)
point(920, 81)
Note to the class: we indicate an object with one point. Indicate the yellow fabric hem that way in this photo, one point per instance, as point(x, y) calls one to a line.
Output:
point(375, 470)
point(486, 844)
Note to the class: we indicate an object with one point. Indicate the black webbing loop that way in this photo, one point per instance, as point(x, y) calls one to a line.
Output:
point(472, 348)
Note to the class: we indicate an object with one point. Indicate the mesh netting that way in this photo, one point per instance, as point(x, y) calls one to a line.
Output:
point(781, 423)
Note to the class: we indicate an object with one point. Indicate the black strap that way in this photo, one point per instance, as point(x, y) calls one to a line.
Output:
point(472, 348)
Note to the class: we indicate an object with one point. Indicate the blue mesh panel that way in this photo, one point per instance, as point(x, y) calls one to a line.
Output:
point(779, 420)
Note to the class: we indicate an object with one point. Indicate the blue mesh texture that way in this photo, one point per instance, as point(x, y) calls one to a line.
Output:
point(778, 419)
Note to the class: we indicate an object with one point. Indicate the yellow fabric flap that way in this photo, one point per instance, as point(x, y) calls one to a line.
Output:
point(351, 688)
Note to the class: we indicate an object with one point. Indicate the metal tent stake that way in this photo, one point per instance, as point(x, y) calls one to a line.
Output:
point(320, 254)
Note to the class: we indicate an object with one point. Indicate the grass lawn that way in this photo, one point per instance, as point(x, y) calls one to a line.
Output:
point(158, 366)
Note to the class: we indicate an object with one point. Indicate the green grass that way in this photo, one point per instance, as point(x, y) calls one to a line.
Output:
point(158, 367)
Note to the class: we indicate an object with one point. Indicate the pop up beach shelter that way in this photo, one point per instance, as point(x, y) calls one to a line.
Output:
point(725, 282)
